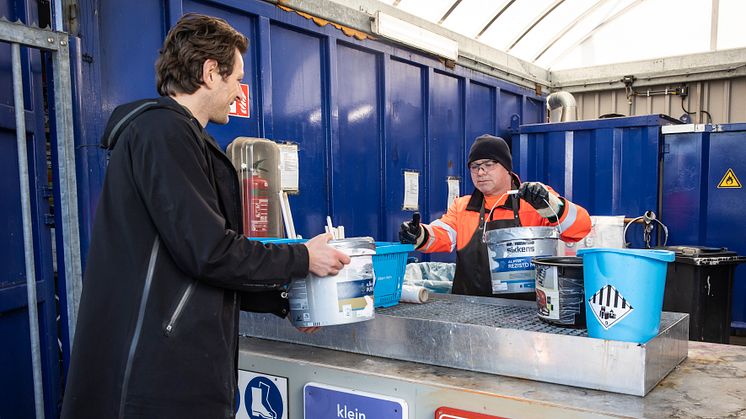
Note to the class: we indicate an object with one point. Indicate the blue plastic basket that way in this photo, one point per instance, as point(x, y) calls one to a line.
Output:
point(389, 264)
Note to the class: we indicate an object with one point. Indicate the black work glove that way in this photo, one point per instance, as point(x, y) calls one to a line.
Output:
point(548, 205)
point(412, 232)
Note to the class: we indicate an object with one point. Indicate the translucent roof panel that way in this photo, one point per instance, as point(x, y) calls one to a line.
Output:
point(731, 27)
point(562, 34)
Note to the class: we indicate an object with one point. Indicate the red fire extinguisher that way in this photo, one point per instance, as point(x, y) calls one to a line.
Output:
point(256, 204)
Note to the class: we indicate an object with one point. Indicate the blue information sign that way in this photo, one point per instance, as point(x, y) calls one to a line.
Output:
point(326, 402)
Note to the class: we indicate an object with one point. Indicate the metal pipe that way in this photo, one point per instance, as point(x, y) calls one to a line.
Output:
point(28, 240)
point(67, 180)
point(565, 101)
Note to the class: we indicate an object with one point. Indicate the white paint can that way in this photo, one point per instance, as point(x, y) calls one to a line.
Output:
point(340, 299)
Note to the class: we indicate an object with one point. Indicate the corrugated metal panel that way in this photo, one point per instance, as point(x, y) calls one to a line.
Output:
point(722, 99)
point(362, 112)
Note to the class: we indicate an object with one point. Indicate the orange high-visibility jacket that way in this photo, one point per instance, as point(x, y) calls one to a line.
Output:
point(456, 227)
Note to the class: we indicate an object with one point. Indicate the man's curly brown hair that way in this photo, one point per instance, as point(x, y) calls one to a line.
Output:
point(194, 39)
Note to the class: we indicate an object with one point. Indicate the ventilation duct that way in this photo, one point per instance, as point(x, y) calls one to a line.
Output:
point(561, 107)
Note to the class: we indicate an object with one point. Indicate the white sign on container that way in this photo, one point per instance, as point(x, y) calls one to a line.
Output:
point(289, 167)
point(411, 190)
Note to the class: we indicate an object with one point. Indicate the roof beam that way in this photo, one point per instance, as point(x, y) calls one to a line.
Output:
point(536, 21)
point(448, 13)
point(487, 26)
point(715, 18)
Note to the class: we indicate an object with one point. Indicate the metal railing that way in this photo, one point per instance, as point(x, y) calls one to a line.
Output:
point(56, 43)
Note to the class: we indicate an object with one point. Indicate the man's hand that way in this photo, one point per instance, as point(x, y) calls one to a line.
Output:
point(324, 260)
point(548, 205)
point(412, 232)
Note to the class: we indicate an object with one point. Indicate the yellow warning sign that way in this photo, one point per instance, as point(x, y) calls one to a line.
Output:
point(729, 181)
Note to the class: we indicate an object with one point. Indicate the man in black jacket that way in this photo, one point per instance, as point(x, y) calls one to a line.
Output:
point(157, 332)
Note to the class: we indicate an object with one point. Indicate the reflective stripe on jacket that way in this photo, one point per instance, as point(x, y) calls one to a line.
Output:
point(457, 226)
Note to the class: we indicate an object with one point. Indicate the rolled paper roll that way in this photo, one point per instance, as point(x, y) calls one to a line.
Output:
point(414, 294)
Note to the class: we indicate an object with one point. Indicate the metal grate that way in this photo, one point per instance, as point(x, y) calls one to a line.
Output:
point(474, 313)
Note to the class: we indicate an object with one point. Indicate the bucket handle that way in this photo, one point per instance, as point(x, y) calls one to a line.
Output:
point(515, 192)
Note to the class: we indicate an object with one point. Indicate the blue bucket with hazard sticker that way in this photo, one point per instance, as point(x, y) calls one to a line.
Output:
point(624, 292)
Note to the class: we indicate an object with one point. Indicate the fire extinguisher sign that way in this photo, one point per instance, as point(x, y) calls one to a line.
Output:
point(241, 108)
point(451, 413)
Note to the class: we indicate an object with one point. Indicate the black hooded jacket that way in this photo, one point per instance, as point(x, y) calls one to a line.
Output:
point(157, 331)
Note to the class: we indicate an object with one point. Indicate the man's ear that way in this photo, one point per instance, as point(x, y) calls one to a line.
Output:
point(210, 73)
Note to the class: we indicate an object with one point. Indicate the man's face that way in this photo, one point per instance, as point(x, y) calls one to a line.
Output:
point(489, 177)
point(227, 90)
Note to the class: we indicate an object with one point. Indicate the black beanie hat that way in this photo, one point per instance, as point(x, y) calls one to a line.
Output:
point(490, 147)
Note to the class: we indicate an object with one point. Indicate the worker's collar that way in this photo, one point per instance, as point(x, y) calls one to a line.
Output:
point(477, 197)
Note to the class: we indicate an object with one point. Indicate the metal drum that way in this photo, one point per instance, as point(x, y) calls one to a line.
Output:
point(510, 253)
point(343, 298)
point(559, 291)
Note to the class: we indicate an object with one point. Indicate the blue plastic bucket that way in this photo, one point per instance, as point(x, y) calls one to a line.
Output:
point(624, 292)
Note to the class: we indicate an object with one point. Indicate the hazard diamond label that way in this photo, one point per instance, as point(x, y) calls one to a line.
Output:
point(609, 306)
point(729, 180)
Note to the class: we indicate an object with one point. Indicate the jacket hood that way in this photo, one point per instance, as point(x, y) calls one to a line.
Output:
point(124, 114)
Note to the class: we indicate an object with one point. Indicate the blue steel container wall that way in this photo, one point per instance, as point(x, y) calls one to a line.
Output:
point(446, 144)
point(608, 168)
point(405, 138)
point(695, 209)
point(299, 114)
point(300, 80)
point(16, 379)
point(357, 171)
point(482, 118)
point(725, 221)
point(246, 24)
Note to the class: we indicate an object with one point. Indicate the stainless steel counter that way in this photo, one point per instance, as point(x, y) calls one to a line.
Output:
point(710, 383)
point(496, 336)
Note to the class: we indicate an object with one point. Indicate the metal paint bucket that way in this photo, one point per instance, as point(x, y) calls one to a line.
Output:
point(343, 298)
point(510, 253)
point(559, 291)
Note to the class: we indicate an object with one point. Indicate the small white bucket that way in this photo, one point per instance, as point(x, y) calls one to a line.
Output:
point(340, 299)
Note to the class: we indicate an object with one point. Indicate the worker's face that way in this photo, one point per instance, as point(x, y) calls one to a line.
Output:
point(489, 177)
point(226, 91)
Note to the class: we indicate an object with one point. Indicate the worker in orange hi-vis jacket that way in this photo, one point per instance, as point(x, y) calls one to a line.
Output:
point(461, 228)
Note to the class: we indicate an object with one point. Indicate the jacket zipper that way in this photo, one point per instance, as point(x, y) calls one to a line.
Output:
point(138, 326)
point(179, 308)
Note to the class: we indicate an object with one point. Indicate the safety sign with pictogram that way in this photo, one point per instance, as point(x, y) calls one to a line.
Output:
point(240, 108)
point(261, 396)
point(609, 306)
point(729, 181)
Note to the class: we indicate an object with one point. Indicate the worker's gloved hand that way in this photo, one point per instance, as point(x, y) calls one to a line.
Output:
point(412, 232)
point(548, 205)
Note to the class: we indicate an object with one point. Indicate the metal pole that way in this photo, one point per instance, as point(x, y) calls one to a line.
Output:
point(67, 181)
point(28, 240)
